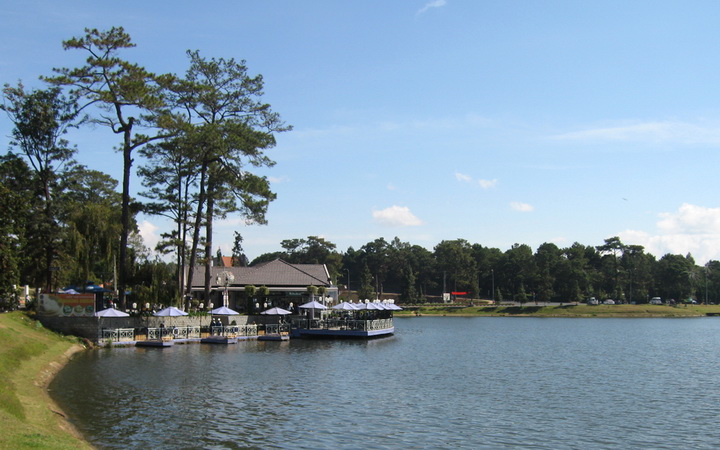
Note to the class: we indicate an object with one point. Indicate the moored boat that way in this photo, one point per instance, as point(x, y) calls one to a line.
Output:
point(219, 340)
point(155, 343)
point(274, 337)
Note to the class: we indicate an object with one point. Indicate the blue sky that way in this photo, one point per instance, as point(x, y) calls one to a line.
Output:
point(499, 122)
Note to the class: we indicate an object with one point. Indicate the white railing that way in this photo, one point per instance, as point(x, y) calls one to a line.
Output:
point(117, 334)
point(173, 333)
point(380, 324)
point(344, 324)
point(234, 330)
point(154, 334)
point(186, 332)
point(276, 328)
point(247, 330)
point(303, 323)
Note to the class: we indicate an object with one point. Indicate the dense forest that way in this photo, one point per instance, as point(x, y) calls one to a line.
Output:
point(625, 273)
point(197, 138)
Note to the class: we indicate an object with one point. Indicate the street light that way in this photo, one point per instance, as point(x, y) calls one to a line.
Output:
point(492, 271)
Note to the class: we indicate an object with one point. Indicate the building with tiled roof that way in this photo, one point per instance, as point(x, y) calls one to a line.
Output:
point(287, 284)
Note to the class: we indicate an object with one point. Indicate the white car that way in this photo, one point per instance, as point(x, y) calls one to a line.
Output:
point(593, 301)
point(656, 301)
point(609, 302)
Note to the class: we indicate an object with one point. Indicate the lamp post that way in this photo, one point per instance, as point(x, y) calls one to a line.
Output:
point(492, 272)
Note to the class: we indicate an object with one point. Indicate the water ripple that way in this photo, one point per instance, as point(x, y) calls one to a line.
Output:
point(439, 383)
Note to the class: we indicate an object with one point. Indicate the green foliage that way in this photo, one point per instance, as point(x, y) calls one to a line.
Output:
point(228, 129)
point(408, 293)
point(456, 261)
point(263, 291)
point(313, 250)
point(127, 98)
point(239, 259)
point(10, 244)
point(366, 290)
point(40, 119)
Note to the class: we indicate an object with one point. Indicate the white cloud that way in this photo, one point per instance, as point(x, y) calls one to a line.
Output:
point(148, 232)
point(432, 4)
point(462, 177)
point(487, 184)
point(233, 222)
point(650, 132)
point(521, 207)
point(278, 179)
point(692, 229)
point(691, 219)
point(396, 216)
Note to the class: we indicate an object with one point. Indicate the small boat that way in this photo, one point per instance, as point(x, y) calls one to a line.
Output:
point(274, 337)
point(219, 340)
point(155, 343)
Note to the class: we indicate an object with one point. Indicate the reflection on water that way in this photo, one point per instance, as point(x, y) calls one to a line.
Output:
point(438, 383)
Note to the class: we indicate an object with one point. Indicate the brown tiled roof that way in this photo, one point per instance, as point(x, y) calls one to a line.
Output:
point(271, 273)
point(227, 261)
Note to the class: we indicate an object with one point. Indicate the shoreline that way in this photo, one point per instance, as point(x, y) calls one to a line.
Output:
point(563, 311)
point(29, 360)
point(43, 380)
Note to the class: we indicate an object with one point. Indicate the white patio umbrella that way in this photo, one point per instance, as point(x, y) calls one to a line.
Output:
point(345, 306)
point(276, 312)
point(111, 312)
point(224, 311)
point(313, 305)
point(370, 306)
point(170, 311)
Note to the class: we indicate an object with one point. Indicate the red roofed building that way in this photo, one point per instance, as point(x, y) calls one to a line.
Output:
point(226, 261)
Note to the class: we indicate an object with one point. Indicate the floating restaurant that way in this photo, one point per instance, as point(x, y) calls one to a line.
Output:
point(283, 307)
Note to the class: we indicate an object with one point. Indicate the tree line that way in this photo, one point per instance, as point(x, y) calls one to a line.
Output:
point(625, 273)
point(200, 136)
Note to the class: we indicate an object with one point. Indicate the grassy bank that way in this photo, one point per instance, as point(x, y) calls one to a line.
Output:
point(29, 356)
point(565, 311)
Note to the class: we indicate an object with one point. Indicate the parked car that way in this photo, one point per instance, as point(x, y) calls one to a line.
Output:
point(609, 302)
point(593, 301)
point(656, 301)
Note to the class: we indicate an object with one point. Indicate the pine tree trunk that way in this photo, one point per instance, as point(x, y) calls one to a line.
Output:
point(196, 236)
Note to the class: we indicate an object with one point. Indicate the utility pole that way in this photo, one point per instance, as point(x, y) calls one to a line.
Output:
point(492, 271)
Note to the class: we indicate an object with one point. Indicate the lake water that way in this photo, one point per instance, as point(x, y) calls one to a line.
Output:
point(438, 383)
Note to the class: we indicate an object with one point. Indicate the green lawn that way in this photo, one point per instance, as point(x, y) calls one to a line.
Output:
point(29, 357)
